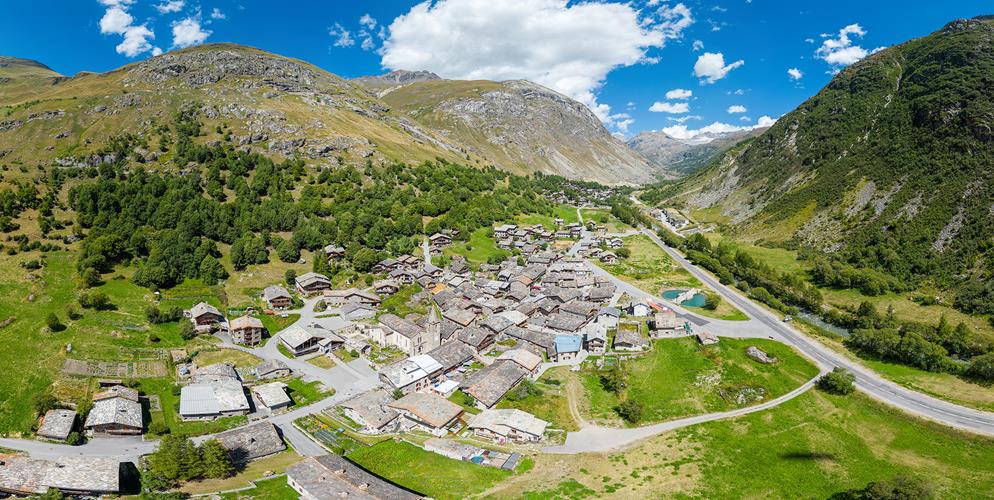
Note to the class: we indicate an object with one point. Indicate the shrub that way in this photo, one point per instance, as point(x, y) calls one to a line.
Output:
point(631, 411)
point(838, 381)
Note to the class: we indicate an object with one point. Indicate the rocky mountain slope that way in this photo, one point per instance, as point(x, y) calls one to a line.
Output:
point(889, 166)
point(522, 126)
point(681, 157)
point(286, 108)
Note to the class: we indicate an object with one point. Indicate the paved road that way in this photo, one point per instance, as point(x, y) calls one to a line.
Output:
point(867, 381)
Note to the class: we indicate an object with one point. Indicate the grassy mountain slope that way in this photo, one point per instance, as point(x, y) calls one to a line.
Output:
point(272, 104)
point(522, 127)
point(887, 167)
point(284, 107)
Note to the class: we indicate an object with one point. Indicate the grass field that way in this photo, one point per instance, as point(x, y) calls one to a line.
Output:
point(254, 470)
point(552, 406)
point(276, 323)
point(426, 472)
point(266, 489)
point(681, 378)
point(810, 447)
point(322, 362)
point(603, 218)
point(398, 302)
point(33, 357)
point(649, 268)
point(305, 393)
point(564, 212)
point(724, 311)
point(478, 249)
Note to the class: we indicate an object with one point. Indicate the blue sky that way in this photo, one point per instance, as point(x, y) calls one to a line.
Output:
point(621, 59)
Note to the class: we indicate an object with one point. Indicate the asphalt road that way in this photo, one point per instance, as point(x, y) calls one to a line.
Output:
point(869, 382)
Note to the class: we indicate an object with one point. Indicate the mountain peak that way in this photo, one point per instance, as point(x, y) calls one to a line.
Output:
point(17, 66)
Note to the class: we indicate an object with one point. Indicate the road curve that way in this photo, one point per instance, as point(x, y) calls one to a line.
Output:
point(869, 382)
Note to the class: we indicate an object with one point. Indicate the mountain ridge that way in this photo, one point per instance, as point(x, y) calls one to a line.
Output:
point(284, 106)
point(887, 167)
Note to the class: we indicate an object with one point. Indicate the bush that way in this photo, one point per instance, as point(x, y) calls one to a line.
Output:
point(838, 381)
point(897, 488)
point(982, 368)
point(623, 253)
point(72, 313)
point(75, 439)
point(290, 277)
point(156, 316)
point(96, 300)
point(53, 323)
point(158, 428)
point(631, 411)
point(187, 330)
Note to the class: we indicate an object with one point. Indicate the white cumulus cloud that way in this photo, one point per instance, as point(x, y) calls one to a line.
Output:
point(669, 107)
point(217, 14)
point(737, 108)
point(568, 47)
point(698, 45)
point(841, 51)
point(795, 74)
point(679, 94)
point(684, 133)
point(710, 67)
point(117, 21)
point(170, 6)
point(187, 32)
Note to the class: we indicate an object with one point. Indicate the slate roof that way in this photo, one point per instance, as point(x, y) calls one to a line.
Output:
point(251, 442)
point(527, 359)
point(203, 308)
point(474, 336)
point(34, 476)
point(245, 322)
point(331, 477)
point(429, 408)
point(119, 409)
point(451, 354)
point(400, 325)
point(491, 383)
point(371, 408)
point(503, 421)
point(57, 424)
point(274, 292)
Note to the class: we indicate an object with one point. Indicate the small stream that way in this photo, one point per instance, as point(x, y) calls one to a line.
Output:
point(820, 323)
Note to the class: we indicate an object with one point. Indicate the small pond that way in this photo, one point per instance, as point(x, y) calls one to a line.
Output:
point(698, 300)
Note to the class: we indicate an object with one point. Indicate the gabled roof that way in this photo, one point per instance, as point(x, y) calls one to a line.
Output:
point(491, 383)
point(274, 292)
point(503, 421)
point(251, 442)
point(528, 360)
point(429, 408)
point(331, 477)
point(244, 322)
point(568, 343)
point(400, 325)
point(203, 308)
